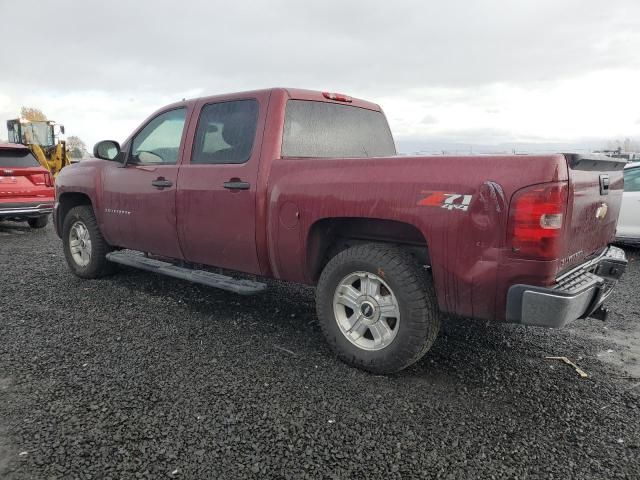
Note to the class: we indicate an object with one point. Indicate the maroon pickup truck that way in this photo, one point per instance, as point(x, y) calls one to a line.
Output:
point(307, 187)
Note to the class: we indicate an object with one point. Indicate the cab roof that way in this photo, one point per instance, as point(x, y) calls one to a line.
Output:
point(292, 93)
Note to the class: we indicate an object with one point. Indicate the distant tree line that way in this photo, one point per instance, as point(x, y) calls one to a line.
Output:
point(32, 114)
point(624, 146)
point(76, 147)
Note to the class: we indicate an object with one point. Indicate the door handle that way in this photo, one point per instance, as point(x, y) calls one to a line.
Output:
point(237, 185)
point(161, 183)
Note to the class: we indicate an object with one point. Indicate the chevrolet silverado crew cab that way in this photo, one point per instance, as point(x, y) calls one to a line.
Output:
point(307, 187)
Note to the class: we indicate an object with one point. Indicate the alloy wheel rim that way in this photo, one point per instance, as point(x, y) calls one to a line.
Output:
point(366, 310)
point(80, 244)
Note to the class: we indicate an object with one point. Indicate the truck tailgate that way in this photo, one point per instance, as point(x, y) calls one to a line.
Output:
point(595, 194)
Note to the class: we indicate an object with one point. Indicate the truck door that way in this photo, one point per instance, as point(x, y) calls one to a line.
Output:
point(216, 199)
point(140, 198)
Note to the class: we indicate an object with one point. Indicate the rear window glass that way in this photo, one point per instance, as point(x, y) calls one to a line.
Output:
point(319, 129)
point(17, 158)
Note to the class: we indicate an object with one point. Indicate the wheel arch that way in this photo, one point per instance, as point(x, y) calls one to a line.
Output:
point(329, 236)
point(66, 202)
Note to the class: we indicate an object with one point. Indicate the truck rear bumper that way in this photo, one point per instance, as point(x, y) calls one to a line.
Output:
point(576, 294)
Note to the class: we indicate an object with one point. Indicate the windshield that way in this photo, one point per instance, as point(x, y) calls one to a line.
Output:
point(329, 130)
point(40, 133)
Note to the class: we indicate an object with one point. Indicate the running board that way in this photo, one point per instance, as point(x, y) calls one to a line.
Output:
point(137, 260)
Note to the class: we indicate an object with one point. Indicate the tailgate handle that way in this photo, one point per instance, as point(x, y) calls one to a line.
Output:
point(604, 184)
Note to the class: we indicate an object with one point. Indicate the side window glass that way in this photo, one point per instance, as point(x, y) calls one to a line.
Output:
point(226, 132)
point(632, 180)
point(158, 143)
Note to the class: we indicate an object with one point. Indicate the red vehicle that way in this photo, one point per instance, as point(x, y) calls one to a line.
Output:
point(307, 187)
point(26, 188)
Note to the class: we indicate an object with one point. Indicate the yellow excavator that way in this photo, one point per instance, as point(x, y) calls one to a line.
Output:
point(43, 139)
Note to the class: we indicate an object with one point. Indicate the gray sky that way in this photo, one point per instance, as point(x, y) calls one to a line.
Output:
point(467, 72)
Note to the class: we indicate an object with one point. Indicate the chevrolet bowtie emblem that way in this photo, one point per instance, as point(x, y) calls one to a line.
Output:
point(601, 212)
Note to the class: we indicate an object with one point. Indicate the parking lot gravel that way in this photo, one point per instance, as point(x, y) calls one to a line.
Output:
point(141, 376)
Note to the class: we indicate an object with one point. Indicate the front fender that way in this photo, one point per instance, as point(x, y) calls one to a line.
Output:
point(78, 184)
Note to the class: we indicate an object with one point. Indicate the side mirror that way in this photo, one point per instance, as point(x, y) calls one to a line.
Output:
point(62, 129)
point(106, 149)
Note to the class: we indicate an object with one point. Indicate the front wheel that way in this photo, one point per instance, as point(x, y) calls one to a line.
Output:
point(376, 308)
point(84, 246)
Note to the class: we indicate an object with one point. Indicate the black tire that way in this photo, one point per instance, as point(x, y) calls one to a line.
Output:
point(98, 265)
point(419, 314)
point(38, 222)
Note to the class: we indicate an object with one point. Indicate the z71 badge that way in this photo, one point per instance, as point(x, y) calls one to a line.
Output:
point(450, 201)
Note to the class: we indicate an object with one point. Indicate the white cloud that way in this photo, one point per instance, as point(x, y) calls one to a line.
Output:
point(480, 72)
point(601, 104)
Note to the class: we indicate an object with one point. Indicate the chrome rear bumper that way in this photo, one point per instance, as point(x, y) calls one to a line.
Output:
point(25, 210)
point(577, 294)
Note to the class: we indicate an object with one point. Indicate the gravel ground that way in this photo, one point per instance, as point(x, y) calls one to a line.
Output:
point(140, 376)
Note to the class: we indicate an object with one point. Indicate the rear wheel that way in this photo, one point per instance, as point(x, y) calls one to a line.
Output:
point(84, 246)
point(376, 308)
point(38, 222)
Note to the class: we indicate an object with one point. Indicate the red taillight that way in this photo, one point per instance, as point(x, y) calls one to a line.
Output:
point(39, 178)
point(536, 217)
point(338, 97)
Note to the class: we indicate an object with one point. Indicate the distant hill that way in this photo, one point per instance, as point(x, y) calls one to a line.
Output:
point(414, 146)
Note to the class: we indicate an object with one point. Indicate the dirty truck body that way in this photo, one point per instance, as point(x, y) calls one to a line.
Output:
point(317, 193)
